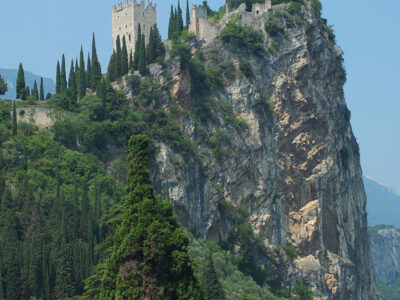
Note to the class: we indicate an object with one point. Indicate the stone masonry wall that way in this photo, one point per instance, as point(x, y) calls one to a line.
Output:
point(126, 18)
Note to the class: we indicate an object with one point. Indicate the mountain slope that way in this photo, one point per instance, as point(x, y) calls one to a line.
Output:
point(10, 76)
point(383, 206)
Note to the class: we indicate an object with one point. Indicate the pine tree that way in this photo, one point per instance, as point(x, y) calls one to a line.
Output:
point(82, 77)
point(41, 97)
point(137, 48)
point(171, 23)
point(63, 76)
point(35, 92)
point(142, 65)
point(187, 14)
point(89, 72)
point(14, 119)
point(72, 83)
point(96, 67)
point(124, 58)
point(20, 86)
point(58, 78)
point(148, 237)
point(180, 18)
point(214, 287)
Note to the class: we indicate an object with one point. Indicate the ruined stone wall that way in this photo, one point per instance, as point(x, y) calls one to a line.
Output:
point(126, 18)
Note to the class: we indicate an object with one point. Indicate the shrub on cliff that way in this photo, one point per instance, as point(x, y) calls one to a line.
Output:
point(243, 37)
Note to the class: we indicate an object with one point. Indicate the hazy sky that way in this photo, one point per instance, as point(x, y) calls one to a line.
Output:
point(38, 32)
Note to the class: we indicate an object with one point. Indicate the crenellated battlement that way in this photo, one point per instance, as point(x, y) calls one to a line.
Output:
point(126, 17)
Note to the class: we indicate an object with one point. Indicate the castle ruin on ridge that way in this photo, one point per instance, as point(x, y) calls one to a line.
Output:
point(126, 18)
point(207, 31)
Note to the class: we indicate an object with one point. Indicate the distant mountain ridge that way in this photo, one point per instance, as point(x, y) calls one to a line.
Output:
point(383, 206)
point(10, 76)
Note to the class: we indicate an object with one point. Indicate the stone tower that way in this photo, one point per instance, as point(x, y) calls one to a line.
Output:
point(126, 18)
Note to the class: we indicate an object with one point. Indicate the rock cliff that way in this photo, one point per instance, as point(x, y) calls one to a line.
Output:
point(275, 140)
point(385, 252)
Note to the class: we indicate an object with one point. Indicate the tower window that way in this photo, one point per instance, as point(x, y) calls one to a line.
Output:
point(143, 14)
point(126, 26)
point(129, 38)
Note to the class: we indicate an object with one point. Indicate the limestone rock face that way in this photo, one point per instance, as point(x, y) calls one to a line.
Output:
point(294, 168)
point(385, 252)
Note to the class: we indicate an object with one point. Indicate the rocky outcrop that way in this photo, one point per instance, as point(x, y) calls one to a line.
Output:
point(385, 252)
point(294, 167)
point(38, 116)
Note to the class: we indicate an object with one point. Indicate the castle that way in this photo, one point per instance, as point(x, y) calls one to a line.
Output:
point(126, 18)
point(205, 30)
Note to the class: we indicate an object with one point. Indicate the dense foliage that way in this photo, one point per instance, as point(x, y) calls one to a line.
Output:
point(3, 86)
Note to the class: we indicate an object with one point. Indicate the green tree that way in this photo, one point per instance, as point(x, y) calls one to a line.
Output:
point(20, 86)
point(58, 78)
point(187, 14)
point(111, 67)
point(35, 91)
point(1, 282)
point(149, 245)
point(85, 205)
point(138, 43)
point(124, 58)
point(130, 66)
point(41, 95)
point(89, 72)
point(118, 63)
point(180, 18)
point(96, 67)
point(3, 88)
point(27, 92)
point(14, 119)
point(72, 83)
point(63, 76)
point(142, 64)
point(171, 23)
point(214, 287)
point(82, 77)
point(102, 90)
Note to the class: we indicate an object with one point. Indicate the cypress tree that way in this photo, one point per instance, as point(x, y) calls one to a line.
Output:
point(46, 285)
point(63, 76)
point(58, 79)
point(12, 278)
point(3, 86)
point(96, 67)
point(20, 86)
point(151, 47)
point(41, 97)
point(72, 82)
point(111, 67)
point(149, 236)
point(85, 206)
point(27, 92)
point(137, 48)
point(118, 63)
point(187, 14)
point(214, 287)
point(82, 77)
point(130, 61)
point(124, 58)
point(180, 18)
point(171, 28)
point(14, 119)
point(1, 282)
point(34, 271)
point(35, 92)
point(158, 44)
point(102, 90)
point(142, 66)
point(89, 72)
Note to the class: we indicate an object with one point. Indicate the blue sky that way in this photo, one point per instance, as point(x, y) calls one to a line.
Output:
point(38, 32)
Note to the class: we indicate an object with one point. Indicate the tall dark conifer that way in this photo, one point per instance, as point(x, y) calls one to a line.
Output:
point(142, 66)
point(20, 86)
point(214, 287)
point(72, 83)
point(89, 72)
point(96, 67)
point(118, 63)
point(171, 24)
point(111, 67)
point(82, 77)
point(137, 48)
point(27, 92)
point(187, 14)
point(63, 76)
point(35, 91)
point(41, 96)
point(180, 18)
point(130, 66)
point(58, 78)
point(124, 58)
